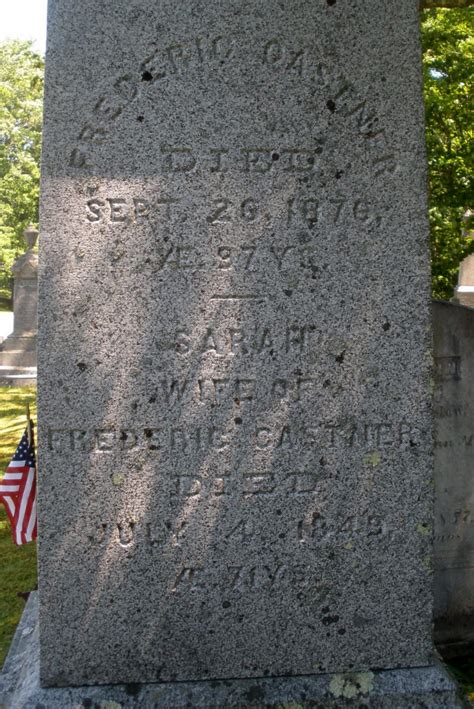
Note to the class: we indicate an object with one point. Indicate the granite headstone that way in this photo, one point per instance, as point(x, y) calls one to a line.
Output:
point(25, 289)
point(236, 456)
point(453, 333)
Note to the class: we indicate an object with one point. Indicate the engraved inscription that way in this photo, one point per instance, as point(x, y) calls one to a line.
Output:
point(453, 537)
point(173, 59)
point(315, 528)
point(177, 58)
point(225, 211)
point(135, 210)
point(187, 440)
point(305, 64)
point(307, 210)
point(448, 368)
point(183, 159)
point(295, 338)
point(243, 579)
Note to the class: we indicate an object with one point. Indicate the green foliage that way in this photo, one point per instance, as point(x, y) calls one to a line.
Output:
point(463, 670)
point(448, 59)
point(18, 564)
point(427, 4)
point(21, 99)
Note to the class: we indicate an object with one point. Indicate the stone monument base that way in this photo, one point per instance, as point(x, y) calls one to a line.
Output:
point(18, 351)
point(416, 687)
point(17, 376)
point(18, 360)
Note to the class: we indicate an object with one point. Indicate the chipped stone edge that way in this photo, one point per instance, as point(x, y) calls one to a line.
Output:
point(416, 687)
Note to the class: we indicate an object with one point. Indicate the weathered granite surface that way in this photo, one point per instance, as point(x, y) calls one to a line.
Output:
point(421, 687)
point(453, 333)
point(235, 457)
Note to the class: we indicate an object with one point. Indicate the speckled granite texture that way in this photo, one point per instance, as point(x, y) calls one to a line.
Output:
point(426, 687)
point(235, 432)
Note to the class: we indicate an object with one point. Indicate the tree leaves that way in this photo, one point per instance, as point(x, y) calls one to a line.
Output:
point(21, 99)
point(448, 64)
point(459, 4)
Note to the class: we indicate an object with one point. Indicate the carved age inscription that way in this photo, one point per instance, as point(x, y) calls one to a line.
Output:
point(456, 526)
point(219, 215)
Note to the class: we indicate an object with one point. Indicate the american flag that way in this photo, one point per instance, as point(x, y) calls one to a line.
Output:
point(18, 490)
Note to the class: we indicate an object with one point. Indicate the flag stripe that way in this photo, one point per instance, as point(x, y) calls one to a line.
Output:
point(10, 510)
point(18, 490)
point(23, 503)
point(32, 522)
point(10, 504)
point(29, 505)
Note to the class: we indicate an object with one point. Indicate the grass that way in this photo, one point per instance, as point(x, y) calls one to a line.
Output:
point(17, 564)
point(463, 669)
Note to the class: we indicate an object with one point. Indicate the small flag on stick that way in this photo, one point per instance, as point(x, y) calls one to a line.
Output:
point(18, 488)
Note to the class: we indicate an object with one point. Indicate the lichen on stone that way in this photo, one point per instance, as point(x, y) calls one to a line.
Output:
point(118, 479)
point(373, 458)
point(423, 529)
point(351, 685)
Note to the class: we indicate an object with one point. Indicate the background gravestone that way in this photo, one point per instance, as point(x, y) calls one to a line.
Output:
point(453, 331)
point(235, 428)
point(18, 351)
point(464, 291)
